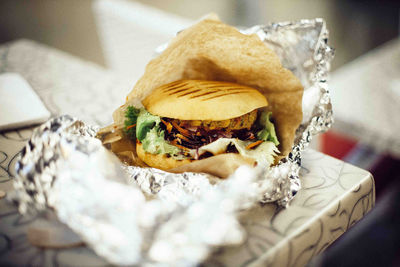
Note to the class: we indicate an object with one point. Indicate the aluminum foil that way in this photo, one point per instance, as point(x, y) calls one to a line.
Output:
point(133, 215)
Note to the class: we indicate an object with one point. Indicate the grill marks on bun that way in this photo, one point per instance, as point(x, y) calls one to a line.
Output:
point(203, 100)
point(225, 94)
point(190, 87)
point(212, 91)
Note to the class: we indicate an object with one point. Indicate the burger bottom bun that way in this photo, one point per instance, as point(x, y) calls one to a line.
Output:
point(221, 165)
point(159, 161)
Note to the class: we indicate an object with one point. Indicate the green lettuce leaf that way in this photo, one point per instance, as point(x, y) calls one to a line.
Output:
point(148, 132)
point(145, 122)
point(131, 115)
point(267, 133)
point(155, 143)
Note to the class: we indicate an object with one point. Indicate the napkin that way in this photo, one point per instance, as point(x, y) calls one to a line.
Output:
point(20, 106)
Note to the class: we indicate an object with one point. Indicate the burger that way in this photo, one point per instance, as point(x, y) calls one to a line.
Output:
point(213, 100)
point(189, 120)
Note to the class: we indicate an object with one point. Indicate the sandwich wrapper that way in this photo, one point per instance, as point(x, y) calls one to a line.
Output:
point(136, 215)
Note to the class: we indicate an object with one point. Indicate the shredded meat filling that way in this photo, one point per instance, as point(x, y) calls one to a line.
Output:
point(194, 134)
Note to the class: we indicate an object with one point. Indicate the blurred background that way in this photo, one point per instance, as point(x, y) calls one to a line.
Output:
point(355, 26)
point(121, 35)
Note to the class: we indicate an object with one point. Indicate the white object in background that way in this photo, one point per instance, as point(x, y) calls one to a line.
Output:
point(130, 32)
point(394, 89)
point(365, 98)
point(19, 104)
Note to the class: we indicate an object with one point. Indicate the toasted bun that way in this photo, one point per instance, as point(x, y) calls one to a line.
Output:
point(203, 100)
point(159, 161)
point(214, 51)
point(221, 165)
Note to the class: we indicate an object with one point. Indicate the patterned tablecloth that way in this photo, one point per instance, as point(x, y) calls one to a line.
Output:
point(335, 195)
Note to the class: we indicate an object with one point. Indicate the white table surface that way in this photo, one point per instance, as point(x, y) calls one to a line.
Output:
point(335, 195)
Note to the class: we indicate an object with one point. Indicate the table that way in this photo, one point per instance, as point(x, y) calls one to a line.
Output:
point(335, 195)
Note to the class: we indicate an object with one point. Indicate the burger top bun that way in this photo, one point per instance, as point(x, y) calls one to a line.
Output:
point(203, 100)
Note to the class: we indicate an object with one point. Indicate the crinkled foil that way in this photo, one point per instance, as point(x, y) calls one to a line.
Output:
point(134, 215)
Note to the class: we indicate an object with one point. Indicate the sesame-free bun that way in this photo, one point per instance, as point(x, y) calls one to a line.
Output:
point(203, 100)
point(159, 161)
point(221, 165)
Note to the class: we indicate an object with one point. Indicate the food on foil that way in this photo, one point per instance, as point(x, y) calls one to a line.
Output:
point(137, 229)
point(170, 132)
point(215, 99)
